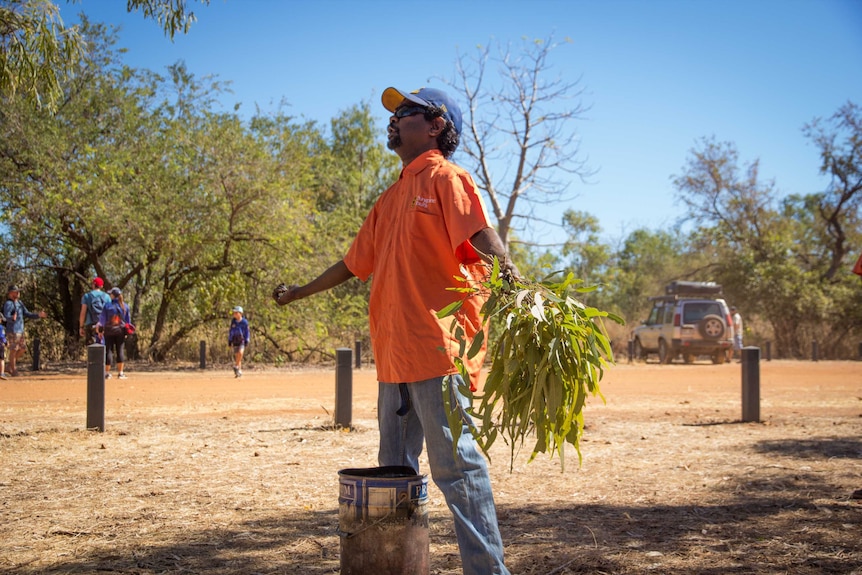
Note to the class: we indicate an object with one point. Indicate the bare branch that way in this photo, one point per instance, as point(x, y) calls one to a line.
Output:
point(521, 136)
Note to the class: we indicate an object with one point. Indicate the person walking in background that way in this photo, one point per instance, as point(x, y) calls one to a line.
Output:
point(14, 311)
point(112, 324)
point(237, 337)
point(737, 331)
point(3, 374)
point(91, 308)
point(427, 228)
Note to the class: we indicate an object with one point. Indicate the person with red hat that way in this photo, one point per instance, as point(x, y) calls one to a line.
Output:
point(92, 305)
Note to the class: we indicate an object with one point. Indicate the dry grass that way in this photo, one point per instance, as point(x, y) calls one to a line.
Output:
point(200, 473)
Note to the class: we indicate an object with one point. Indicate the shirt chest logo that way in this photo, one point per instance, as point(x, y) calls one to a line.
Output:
point(422, 203)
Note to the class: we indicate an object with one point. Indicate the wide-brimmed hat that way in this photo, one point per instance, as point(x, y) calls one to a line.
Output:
point(13, 288)
point(425, 97)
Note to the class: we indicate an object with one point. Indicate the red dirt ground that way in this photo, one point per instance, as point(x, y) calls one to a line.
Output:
point(198, 472)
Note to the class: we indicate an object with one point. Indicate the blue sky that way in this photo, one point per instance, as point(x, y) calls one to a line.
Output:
point(658, 75)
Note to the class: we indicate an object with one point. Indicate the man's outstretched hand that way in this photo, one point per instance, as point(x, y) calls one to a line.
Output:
point(284, 294)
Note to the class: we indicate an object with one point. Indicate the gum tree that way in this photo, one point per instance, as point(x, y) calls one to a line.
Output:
point(777, 257)
point(38, 52)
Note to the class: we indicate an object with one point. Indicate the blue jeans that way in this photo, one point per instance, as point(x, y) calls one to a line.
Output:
point(464, 479)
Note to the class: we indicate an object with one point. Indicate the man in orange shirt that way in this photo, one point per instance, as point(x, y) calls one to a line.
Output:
point(426, 229)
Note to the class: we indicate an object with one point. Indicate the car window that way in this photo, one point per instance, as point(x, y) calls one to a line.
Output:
point(654, 316)
point(668, 314)
point(693, 312)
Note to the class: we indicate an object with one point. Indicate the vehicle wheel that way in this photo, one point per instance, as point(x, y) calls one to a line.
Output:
point(719, 357)
point(711, 327)
point(639, 352)
point(688, 357)
point(664, 355)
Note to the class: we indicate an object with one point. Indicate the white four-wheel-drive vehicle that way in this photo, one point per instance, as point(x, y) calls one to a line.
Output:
point(690, 320)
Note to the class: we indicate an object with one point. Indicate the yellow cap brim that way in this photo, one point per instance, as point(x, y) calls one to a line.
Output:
point(392, 98)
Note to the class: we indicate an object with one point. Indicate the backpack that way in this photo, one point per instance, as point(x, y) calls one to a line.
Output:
point(116, 324)
point(96, 301)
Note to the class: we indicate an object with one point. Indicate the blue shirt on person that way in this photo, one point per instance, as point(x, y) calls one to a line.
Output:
point(14, 311)
point(95, 300)
point(114, 317)
point(238, 334)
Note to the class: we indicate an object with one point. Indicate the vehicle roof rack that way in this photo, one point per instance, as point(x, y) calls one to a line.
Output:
point(689, 288)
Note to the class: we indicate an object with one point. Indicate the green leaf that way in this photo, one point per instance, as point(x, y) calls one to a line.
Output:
point(476, 346)
point(450, 309)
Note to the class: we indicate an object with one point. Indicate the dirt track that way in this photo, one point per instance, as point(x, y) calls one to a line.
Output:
point(198, 472)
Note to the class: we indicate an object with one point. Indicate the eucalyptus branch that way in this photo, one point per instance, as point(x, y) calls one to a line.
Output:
point(550, 354)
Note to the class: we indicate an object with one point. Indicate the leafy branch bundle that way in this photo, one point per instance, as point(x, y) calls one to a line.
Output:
point(550, 353)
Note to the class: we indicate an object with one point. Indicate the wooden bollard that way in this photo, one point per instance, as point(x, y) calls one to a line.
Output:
point(358, 354)
point(343, 387)
point(37, 354)
point(96, 387)
point(750, 383)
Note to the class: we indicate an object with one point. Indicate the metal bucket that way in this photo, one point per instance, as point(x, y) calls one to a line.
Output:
point(383, 520)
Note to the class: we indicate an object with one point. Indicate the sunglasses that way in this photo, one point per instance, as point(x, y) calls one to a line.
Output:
point(408, 111)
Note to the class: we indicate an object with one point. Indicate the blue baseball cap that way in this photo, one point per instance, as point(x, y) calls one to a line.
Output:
point(393, 97)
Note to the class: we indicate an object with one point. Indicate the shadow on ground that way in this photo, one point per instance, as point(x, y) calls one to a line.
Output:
point(790, 523)
point(816, 448)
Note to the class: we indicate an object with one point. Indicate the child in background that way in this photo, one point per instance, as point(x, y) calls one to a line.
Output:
point(238, 338)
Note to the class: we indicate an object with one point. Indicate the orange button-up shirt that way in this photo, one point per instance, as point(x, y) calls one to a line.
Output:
point(415, 243)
